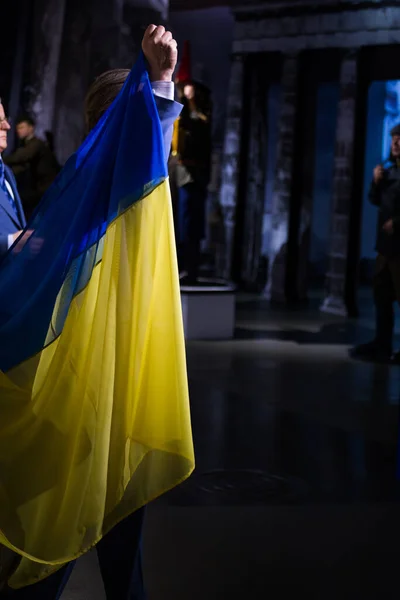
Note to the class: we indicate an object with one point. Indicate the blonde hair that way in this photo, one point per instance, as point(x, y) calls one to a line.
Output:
point(102, 93)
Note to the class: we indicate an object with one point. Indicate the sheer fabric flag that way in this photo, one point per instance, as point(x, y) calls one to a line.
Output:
point(94, 408)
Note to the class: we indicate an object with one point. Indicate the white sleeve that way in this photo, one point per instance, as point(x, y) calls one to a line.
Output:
point(10, 240)
point(163, 89)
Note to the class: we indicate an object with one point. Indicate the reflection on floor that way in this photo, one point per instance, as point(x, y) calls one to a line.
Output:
point(295, 489)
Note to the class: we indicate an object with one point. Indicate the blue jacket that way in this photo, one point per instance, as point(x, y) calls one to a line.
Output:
point(9, 221)
point(168, 111)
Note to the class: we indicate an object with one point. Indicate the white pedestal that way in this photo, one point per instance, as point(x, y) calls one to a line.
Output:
point(334, 306)
point(208, 312)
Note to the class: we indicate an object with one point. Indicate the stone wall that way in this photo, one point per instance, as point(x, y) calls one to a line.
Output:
point(289, 27)
point(342, 188)
point(280, 212)
point(231, 157)
point(73, 79)
point(210, 34)
point(255, 192)
point(48, 26)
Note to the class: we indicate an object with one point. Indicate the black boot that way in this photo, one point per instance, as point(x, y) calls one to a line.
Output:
point(381, 348)
point(192, 262)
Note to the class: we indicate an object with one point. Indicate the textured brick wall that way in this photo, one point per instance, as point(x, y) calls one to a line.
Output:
point(231, 157)
point(342, 187)
point(349, 28)
point(98, 35)
point(255, 189)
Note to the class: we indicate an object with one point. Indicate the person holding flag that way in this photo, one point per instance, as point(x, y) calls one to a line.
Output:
point(94, 407)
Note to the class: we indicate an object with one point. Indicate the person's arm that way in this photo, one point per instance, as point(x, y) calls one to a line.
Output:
point(160, 50)
point(375, 190)
point(25, 154)
point(168, 110)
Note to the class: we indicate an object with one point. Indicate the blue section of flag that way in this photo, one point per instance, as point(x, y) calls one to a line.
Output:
point(110, 172)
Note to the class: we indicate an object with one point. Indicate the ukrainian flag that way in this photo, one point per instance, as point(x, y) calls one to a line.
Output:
point(94, 409)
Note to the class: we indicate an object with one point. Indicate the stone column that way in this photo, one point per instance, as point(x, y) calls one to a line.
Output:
point(48, 24)
point(342, 188)
point(231, 158)
point(255, 186)
point(280, 213)
point(95, 40)
point(73, 80)
point(113, 21)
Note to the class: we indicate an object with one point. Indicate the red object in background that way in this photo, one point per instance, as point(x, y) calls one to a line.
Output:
point(184, 73)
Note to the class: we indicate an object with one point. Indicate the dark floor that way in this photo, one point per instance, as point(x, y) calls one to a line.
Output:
point(295, 491)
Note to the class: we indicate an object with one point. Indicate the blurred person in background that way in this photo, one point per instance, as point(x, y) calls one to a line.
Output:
point(193, 176)
point(33, 163)
point(192, 145)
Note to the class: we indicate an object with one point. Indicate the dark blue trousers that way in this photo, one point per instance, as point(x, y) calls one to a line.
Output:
point(120, 560)
point(191, 228)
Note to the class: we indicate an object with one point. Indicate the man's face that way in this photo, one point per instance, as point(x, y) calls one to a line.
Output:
point(395, 148)
point(188, 92)
point(4, 128)
point(24, 130)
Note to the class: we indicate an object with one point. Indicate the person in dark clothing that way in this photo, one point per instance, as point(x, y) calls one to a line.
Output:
point(33, 164)
point(193, 175)
point(385, 194)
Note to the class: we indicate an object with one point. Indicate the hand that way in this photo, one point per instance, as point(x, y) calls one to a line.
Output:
point(35, 246)
point(378, 173)
point(16, 235)
point(161, 52)
point(388, 227)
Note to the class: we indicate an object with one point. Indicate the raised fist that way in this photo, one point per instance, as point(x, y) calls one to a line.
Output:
point(161, 52)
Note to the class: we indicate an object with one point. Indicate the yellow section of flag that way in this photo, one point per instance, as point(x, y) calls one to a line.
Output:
point(98, 424)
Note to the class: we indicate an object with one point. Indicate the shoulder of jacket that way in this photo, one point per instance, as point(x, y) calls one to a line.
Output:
point(9, 172)
point(37, 141)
